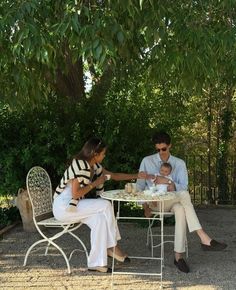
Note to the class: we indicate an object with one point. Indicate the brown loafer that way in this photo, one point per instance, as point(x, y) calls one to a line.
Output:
point(214, 246)
point(182, 265)
point(123, 259)
point(101, 269)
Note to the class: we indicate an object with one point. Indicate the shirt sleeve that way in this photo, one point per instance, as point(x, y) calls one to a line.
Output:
point(100, 187)
point(141, 183)
point(181, 178)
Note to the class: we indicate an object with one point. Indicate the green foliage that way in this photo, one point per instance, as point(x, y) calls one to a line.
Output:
point(46, 136)
point(222, 176)
point(151, 64)
point(8, 215)
point(124, 112)
point(49, 134)
point(188, 44)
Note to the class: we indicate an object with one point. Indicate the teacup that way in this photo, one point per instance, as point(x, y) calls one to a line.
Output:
point(130, 187)
point(108, 176)
point(152, 189)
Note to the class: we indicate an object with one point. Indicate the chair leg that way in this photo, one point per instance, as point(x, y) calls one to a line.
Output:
point(46, 251)
point(151, 238)
point(50, 241)
point(64, 255)
point(186, 248)
point(148, 233)
point(68, 230)
point(31, 248)
point(82, 244)
point(55, 245)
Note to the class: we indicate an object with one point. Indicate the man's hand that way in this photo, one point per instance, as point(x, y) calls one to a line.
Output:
point(171, 187)
point(161, 180)
point(100, 180)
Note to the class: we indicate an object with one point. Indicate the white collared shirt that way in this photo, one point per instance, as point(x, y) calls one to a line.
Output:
point(152, 163)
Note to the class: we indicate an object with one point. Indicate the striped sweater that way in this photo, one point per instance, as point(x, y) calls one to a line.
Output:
point(80, 169)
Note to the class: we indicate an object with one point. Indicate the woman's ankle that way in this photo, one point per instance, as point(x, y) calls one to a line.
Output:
point(117, 250)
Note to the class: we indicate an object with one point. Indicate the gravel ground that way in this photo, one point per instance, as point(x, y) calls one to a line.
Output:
point(209, 270)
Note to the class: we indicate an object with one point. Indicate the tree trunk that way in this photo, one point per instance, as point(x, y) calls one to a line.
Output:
point(225, 136)
point(69, 79)
point(234, 181)
point(25, 208)
point(209, 159)
point(71, 84)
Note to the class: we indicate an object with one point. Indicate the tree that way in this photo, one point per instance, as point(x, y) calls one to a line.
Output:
point(45, 44)
point(181, 47)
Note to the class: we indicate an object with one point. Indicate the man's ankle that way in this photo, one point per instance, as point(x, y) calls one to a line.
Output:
point(178, 256)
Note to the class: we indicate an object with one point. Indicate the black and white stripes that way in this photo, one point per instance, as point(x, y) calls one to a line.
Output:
point(80, 169)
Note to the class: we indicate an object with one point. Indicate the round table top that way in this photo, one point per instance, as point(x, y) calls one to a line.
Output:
point(121, 195)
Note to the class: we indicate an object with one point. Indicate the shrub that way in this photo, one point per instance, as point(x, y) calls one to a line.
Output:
point(8, 215)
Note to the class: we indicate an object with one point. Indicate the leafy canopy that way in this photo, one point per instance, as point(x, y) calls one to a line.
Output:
point(188, 42)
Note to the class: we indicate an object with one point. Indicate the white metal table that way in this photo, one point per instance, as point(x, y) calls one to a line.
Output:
point(121, 196)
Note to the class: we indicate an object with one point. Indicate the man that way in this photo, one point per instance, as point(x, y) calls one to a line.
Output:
point(181, 205)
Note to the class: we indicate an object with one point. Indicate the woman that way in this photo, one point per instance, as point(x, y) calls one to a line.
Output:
point(84, 174)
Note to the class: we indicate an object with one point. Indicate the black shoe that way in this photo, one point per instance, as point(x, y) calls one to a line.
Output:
point(182, 265)
point(127, 260)
point(214, 246)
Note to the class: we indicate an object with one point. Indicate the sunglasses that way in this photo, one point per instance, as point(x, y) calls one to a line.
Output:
point(162, 149)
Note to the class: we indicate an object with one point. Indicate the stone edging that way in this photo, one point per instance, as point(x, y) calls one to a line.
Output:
point(8, 228)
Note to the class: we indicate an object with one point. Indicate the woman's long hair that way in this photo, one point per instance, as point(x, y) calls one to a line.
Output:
point(91, 147)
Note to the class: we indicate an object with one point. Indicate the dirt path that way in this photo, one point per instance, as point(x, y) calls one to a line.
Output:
point(208, 270)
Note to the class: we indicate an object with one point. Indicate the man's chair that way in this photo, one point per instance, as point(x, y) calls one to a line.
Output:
point(167, 238)
point(40, 193)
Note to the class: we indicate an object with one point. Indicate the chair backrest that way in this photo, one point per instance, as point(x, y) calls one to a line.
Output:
point(39, 188)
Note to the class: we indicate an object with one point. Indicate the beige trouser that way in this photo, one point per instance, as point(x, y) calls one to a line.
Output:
point(183, 210)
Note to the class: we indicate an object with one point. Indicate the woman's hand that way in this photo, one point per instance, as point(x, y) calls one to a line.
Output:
point(145, 175)
point(100, 180)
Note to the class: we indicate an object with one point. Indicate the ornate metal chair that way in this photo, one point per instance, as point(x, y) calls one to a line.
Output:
point(40, 193)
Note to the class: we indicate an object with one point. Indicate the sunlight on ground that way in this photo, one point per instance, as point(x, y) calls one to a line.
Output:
point(200, 287)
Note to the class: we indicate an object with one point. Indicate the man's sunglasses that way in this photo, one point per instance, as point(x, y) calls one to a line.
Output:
point(162, 149)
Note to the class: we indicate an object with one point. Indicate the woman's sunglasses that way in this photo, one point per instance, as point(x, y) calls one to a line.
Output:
point(162, 149)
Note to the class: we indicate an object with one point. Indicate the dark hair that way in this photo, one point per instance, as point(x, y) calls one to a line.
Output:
point(92, 146)
point(161, 137)
point(167, 165)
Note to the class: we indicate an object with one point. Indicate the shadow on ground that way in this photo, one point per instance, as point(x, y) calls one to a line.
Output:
point(209, 270)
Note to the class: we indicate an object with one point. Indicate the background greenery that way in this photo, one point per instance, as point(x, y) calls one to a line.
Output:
point(118, 70)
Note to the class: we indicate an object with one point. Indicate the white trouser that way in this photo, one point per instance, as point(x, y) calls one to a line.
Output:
point(184, 211)
point(98, 214)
